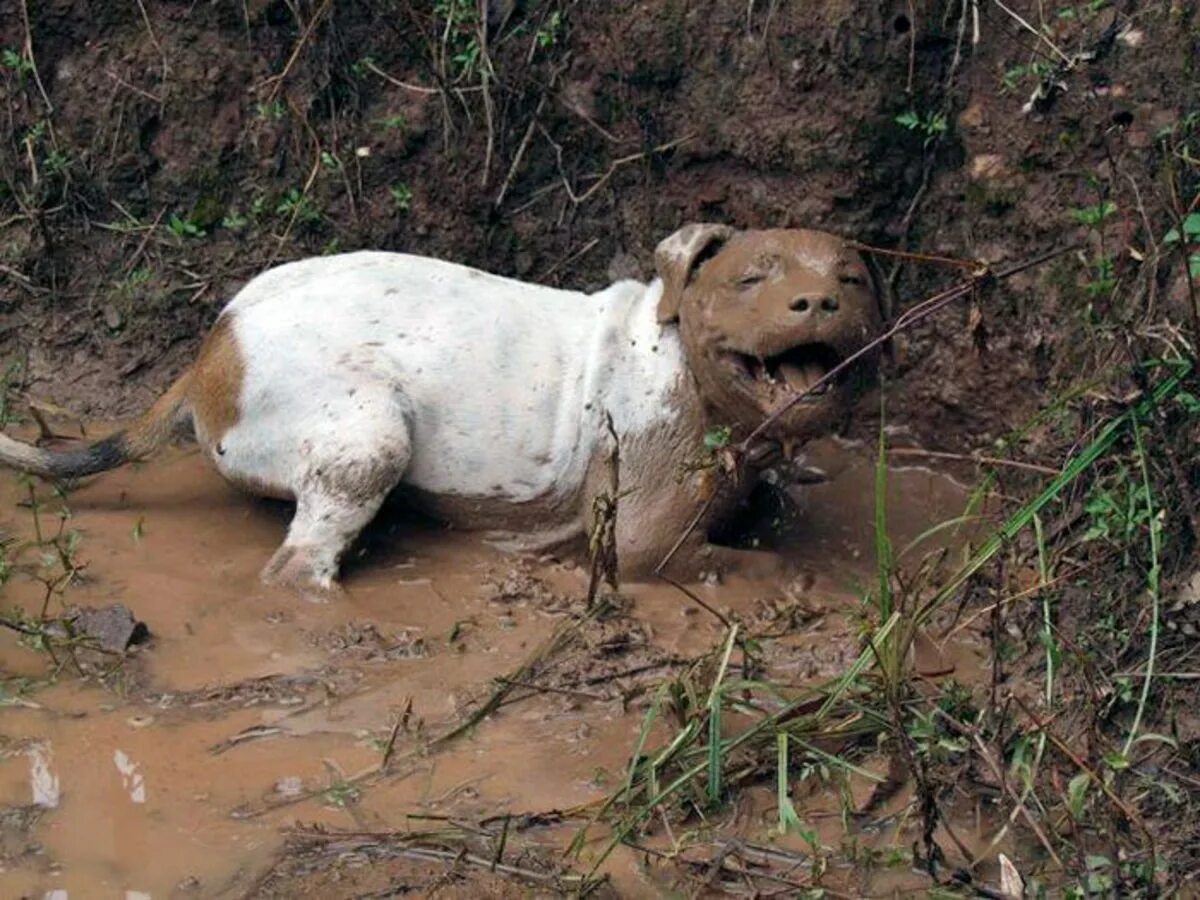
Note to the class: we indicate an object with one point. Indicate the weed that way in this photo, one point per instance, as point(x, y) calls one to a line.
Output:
point(1094, 215)
point(1014, 76)
point(402, 195)
point(718, 438)
point(1190, 241)
point(234, 220)
point(298, 206)
point(929, 125)
point(394, 122)
point(272, 111)
point(16, 62)
point(342, 794)
point(547, 35)
point(460, 35)
point(184, 228)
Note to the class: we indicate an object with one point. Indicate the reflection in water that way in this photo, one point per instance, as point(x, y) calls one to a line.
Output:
point(42, 778)
point(135, 784)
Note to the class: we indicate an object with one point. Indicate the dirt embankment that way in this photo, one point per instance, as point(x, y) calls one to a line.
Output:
point(155, 159)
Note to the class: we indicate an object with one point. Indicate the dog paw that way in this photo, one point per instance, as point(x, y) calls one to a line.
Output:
point(301, 571)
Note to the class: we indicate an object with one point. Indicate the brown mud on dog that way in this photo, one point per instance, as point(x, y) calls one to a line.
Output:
point(338, 380)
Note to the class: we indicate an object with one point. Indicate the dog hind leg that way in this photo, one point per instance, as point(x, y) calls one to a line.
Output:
point(337, 495)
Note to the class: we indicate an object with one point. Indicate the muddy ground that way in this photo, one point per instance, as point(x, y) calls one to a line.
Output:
point(156, 155)
point(252, 720)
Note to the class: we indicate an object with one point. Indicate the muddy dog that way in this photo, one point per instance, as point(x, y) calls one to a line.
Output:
point(336, 381)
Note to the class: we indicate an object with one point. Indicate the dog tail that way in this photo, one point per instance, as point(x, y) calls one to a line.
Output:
point(153, 429)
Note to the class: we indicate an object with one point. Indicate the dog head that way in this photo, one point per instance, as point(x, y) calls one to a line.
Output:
point(764, 315)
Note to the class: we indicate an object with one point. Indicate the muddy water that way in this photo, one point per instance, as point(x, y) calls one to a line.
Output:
point(251, 709)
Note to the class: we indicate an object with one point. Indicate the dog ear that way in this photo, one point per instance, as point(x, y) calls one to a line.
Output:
point(677, 257)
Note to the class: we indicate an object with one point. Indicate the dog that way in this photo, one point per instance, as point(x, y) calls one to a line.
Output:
point(495, 404)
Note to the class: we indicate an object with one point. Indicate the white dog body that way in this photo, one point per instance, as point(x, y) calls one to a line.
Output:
point(502, 386)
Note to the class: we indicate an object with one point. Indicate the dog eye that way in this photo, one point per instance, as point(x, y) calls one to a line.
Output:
point(852, 278)
point(750, 280)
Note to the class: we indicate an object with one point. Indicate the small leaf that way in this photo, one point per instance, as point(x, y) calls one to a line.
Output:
point(1116, 760)
point(718, 438)
point(1077, 793)
point(1156, 738)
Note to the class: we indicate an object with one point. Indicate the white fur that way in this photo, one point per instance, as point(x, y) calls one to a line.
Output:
point(498, 387)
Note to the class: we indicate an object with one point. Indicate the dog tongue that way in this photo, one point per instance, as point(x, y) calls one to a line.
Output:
point(801, 377)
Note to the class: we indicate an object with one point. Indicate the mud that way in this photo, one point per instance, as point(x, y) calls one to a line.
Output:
point(252, 712)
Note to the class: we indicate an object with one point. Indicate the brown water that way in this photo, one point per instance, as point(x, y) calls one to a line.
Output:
point(183, 775)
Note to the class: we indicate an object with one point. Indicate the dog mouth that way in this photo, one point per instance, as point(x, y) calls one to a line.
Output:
point(798, 370)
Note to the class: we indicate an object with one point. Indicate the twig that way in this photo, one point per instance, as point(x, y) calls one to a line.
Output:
point(567, 260)
point(613, 166)
point(1068, 61)
point(276, 81)
point(142, 245)
point(133, 87)
point(37, 78)
point(547, 689)
point(970, 265)
point(415, 88)
point(972, 458)
point(157, 46)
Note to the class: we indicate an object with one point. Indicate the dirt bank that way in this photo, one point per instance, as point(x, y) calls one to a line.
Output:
point(190, 147)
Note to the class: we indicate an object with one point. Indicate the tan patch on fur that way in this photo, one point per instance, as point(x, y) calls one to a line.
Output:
point(215, 382)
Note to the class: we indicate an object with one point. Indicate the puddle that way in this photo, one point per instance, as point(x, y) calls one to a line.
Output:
point(251, 711)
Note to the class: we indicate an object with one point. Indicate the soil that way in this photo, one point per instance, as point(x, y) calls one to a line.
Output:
point(156, 155)
point(776, 115)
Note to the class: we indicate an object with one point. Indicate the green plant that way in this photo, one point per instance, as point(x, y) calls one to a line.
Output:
point(547, 35)
point(1189, 239)
point(298, 206)
point(718, 438)
point(272, 111)
point(1012, 77)
point(929, 125)
point(15, 62)
point(394, 122)
point(1094, 215)
point(1101, 268)
point(402, 195)
point(184, 228)
point(460, 35)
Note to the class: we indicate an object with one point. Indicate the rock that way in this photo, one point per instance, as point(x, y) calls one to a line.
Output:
point(113, 628)
point(987, 167)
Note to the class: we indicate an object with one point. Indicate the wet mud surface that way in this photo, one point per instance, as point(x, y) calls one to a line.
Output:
point(238, 752)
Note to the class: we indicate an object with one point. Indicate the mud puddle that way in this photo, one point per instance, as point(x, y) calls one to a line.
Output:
point(252, 713)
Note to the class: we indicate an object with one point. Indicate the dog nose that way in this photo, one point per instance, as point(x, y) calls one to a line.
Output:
point(804, 304)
